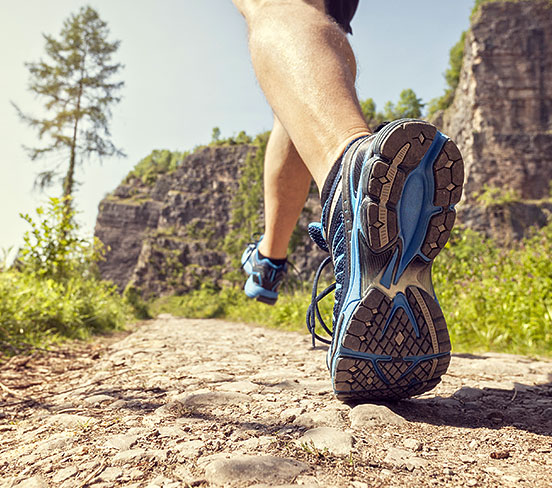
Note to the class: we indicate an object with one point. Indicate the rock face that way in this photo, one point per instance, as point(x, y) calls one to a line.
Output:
point(501, 116)
point(167, 237)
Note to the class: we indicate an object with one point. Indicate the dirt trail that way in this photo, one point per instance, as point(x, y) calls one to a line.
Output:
point(181, 402)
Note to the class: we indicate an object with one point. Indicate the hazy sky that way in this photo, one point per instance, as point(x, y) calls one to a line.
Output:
point(186, 71)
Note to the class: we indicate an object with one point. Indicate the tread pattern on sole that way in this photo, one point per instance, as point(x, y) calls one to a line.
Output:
point(401, 358)
point(403, 363)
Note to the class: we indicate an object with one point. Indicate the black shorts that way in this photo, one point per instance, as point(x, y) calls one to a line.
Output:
point(342, 11)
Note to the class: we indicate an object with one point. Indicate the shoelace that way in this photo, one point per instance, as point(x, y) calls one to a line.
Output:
point(251, 246)
point(313, 312)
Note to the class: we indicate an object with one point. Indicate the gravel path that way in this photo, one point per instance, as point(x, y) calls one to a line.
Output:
point(182, 402)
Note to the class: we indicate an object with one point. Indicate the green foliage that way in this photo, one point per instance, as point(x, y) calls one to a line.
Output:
point(452, 77)
point(368, 108)
point(160, 161)
point(495, 298)
point(215, 135)
point(75, 83)
point(408, 106)
point(241, 138)
point(54, 290)
point(494, 196)
point(52, 248)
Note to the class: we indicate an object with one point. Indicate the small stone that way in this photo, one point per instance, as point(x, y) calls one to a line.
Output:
point(121, 442)
point(413, 444)
point(136, 474)
point(547, 413)
point(327, 438)
point(200, 401)
point(319, 418)
point(265, 469)
point(471, 482)
point(190, 449)
point(238, 386)
point(467, 459)
point(97, 400)
point(404, 459)
point(111, 474)
point(33, 482)
point(129, 456)
point(359, 484)
point(473, 444)
point(512, 478)
point(448, 471)
point(64, 474)
point(369, 415)
point(467, 394)
point(70, 421)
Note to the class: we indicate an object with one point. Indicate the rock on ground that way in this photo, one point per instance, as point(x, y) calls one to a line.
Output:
point(181, 402)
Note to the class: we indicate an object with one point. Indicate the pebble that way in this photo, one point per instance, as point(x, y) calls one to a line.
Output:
point(33, 482)
point(266, 469)
point(404, 459)
point(121, 442)
point(370, 415)
point(208, 400)
point(96, 400)
point(70, 421)
point(327, 438)
point(190, 449)
point(413, 444)
point(239, 386)
point(467, 394)
point(64, 474)
point(111, 474)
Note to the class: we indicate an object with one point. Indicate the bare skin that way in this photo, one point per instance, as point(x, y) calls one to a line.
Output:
point(286, 187)
point(307, 70)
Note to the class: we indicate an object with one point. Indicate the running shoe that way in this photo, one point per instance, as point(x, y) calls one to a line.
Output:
point(389, 214)
point(265, 277)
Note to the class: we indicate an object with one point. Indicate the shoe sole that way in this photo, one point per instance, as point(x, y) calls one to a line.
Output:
point(391, 340)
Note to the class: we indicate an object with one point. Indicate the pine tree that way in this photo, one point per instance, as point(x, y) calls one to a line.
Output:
point(75, 83)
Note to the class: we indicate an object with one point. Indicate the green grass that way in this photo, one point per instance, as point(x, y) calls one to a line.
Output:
point(494, 299)
point(53, 291)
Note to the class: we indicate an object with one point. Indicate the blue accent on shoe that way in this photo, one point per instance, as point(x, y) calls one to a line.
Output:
point(416, 208)
point(252, 290)
point(400, 301)
point(265, 277)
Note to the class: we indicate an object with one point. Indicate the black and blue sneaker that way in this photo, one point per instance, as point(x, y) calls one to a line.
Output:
point(265, 277)
point(387, 216)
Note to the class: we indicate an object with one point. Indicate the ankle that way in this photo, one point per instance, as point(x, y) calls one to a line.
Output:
point(270, 252)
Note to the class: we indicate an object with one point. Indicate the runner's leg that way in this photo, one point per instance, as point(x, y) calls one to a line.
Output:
point(286, 187)
point(306, 69)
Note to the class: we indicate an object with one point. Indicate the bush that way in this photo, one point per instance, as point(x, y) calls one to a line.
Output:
point(54, 290)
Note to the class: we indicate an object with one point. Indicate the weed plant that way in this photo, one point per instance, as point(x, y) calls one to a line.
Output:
point(53, 290)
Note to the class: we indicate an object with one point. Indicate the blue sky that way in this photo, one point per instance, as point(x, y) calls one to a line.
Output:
point(186, 71)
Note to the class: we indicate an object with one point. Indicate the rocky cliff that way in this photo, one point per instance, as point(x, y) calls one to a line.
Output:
point(168, 235)
point(501, 116)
